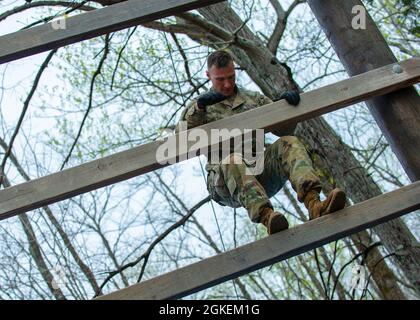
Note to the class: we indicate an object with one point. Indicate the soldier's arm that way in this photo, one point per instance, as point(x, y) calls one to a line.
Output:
point(286, 131)
point(192, 115)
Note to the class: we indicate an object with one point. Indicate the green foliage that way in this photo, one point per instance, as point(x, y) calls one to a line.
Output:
point(404, 12)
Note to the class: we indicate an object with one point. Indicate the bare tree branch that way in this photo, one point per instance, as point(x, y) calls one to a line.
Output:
point(220, 32)
point(67, 242)
point(281, 23)
point(145, 256)
point(31, 5)
point(92, 84)
point(24, 110)
point(36, 252)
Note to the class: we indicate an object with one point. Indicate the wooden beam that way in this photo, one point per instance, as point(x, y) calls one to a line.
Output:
point(142, 159)
point(91, 24)
point(275, 248)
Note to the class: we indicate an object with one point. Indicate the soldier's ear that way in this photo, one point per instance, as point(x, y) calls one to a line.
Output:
point(208, 74)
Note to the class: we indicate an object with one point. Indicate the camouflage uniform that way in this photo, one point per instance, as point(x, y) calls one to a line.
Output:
point(285, 159)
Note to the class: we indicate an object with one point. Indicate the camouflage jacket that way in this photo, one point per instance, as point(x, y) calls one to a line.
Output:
point(242, 101)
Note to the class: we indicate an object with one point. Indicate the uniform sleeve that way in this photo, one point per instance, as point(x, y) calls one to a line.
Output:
point(192, 115)
point(285, 131)
point(263, 100)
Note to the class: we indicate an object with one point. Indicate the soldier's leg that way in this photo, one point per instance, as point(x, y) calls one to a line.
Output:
point(237, 186)
point(294, 163)
point(242, 187)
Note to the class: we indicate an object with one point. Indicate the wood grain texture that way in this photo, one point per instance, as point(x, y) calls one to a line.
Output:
point(275, 248)
point(91, 24)
point(142, 159)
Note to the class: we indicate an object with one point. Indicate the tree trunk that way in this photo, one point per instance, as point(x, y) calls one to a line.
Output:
point(35, 252)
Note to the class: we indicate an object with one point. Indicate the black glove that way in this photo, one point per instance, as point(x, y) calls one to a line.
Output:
point(292, 97)
point(209, 98)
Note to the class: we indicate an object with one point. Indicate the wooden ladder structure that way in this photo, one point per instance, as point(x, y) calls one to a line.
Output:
point(62, 185)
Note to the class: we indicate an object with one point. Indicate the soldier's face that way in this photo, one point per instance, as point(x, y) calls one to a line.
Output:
point(223, 79)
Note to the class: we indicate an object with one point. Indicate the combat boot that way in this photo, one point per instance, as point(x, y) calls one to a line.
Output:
point(335, 201)
point(273, 221)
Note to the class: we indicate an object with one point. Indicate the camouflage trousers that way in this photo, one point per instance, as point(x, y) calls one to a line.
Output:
point(230, 183)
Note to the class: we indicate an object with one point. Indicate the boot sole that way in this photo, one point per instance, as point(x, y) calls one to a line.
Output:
point(338, 202)
point(278, 223)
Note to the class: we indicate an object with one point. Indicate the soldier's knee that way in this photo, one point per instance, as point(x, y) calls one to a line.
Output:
point(233, 158)
point(231, 165)
point(291, 140)
point(284, 143)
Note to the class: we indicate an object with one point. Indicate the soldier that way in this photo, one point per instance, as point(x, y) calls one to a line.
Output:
point(229, 182)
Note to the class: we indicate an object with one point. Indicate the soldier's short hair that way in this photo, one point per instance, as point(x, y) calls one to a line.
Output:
point(219, 58)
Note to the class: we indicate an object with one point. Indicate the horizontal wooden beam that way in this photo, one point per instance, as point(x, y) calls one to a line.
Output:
point(275, 248)
point(91, 24)
point(142, 159)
